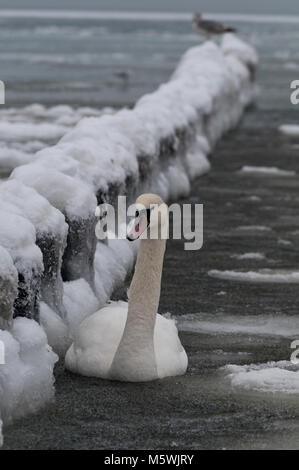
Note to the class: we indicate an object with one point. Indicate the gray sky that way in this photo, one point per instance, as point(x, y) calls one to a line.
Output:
point(220, 6)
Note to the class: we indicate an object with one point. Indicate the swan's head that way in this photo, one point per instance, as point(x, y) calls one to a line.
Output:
point(151, 216)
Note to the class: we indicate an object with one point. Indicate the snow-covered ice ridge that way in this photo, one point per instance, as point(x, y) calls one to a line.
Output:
point(55, 270)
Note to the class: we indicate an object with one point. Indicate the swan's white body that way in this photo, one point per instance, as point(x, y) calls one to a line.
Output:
point(99, 336)
point(130, 341)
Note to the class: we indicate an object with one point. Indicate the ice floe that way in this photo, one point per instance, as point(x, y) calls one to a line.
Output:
point(254, 256)
point(253, 228)
point(272, 377)
point(27, 130)
point(259, 325)
point(292, 130)
point(260, 276)
point(265, 170)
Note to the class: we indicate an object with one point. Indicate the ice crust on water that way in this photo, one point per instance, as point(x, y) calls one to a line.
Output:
point(260, 276)
point(272, 377)
point(261, 325)
point(160, 145)
point(253, 228)
point(32, 128)
point(291, 130)
point(245, 256)
point(267, 170)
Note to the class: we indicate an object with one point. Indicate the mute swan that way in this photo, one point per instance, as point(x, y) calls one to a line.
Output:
point(131, 341)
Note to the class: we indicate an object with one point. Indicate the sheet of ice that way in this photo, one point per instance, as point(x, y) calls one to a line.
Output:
point(27, 130)
point(255, 256)
point(260, 276)
point(272, 377)
point(265, 170)
point(260, 325)
point(26, 378)
point(253, 228)
point(291, 130)
point(283, 242)
point(254, 198)
point(11, 132)
point(10, 158)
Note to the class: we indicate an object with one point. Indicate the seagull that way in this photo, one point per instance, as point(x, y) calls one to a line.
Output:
point(209, 28)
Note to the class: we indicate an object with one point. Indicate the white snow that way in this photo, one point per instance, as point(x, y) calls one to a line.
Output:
point(17, 236)
point(291, 130)
point(26, 378)
point(272, 377)
point(260, 276)
point(25, 201)
point(58, 334)
point(265, 170)
point(72, 197)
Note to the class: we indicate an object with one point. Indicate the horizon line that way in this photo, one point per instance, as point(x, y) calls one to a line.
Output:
point(144, 16)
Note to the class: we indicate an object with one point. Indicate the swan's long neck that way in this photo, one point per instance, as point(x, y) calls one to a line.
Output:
point(135, 356)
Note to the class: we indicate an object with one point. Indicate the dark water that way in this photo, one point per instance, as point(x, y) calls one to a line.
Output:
point(200, 410)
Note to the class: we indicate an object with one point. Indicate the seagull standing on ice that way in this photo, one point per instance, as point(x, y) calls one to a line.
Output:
point(208, 28)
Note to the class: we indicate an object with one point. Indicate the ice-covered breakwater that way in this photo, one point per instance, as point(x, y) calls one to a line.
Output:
point(55, 271)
